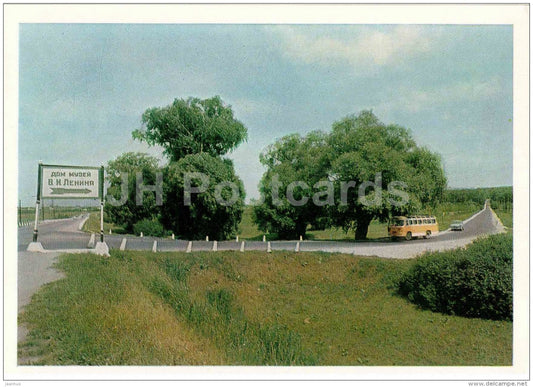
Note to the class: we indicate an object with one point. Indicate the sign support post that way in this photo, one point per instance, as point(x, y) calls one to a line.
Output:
point(35, 245)
point(101, 247)
point(37, 203)
point(101, 193)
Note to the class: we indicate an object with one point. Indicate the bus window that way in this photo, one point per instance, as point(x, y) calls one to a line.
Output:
point(398, 222)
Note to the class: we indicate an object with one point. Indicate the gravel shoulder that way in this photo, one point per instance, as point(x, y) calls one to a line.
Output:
point(34, 270)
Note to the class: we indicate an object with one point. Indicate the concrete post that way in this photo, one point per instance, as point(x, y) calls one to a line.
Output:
point(91, 241)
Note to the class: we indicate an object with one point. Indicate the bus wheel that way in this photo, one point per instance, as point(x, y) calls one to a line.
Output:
point(428, 234)
point(408, 236)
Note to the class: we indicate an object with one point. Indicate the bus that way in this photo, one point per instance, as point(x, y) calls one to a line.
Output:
point(413, 226)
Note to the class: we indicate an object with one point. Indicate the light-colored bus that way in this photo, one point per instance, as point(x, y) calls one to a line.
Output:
point(413, 226)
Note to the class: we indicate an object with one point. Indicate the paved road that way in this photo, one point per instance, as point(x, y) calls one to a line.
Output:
point(65, 234)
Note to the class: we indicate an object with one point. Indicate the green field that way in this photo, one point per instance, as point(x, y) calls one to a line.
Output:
point(506, 216)
point(26, 214)
point(445, 213)
point(254, 308)
point(93, 225)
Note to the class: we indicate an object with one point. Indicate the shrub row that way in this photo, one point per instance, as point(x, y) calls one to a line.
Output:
point(476, 281)
point(149, 227)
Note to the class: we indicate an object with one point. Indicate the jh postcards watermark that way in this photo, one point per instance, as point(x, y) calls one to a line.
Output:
point(227, 193)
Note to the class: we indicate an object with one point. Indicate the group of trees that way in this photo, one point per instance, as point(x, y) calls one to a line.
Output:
point(500, 197)
point(194, 134)
point(361, 170)
point(342, 171)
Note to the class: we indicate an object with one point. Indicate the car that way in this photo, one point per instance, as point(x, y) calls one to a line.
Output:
point(457, 225)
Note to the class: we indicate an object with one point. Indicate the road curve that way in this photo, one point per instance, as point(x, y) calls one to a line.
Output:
point(65, 235)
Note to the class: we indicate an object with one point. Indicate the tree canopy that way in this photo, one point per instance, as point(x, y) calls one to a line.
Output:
point(290, 160)
point(367, 150)
point(362, 170)
point(194, 134)
point(124, 210)
point(192, 126)
point(214, 211)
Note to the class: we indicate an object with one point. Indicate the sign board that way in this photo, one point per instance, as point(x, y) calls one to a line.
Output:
point(70, 182)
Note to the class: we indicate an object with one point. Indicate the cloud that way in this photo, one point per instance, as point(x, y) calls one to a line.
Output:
point(367, 46)
point(418, 100)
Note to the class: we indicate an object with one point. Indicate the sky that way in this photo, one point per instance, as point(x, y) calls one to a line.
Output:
point(84, 87)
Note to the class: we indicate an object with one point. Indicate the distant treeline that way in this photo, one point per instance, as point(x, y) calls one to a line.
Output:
point(500, 197)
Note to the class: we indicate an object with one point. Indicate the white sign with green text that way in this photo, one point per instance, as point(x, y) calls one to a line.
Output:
point(69, 182)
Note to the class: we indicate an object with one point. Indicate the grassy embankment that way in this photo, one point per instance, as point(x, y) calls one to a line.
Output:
point(93, 225)
point(247, 308)
point(506, 217)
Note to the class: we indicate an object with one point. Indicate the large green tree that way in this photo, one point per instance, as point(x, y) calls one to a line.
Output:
point(379, 171)
point(362, 170)
point(123, 206)
point(301, 162)
point(203, 197)
point(194, 134)
point(192, 126)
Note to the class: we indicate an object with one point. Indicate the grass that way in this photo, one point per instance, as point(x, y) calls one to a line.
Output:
point(25, 214)
point(376, 230)
point(93, 225)
point(506, 216)
point(101, 314)
point(445, 213)
point(249, 231)
point(249, 308)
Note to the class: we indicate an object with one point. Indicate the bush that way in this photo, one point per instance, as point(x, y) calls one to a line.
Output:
point(149, 228)
point(472, 282)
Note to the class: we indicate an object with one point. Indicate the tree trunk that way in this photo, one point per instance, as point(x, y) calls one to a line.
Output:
point(362, 228)
point(300, 230)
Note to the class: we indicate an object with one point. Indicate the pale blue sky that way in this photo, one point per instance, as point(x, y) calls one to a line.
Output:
point(84, 87)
